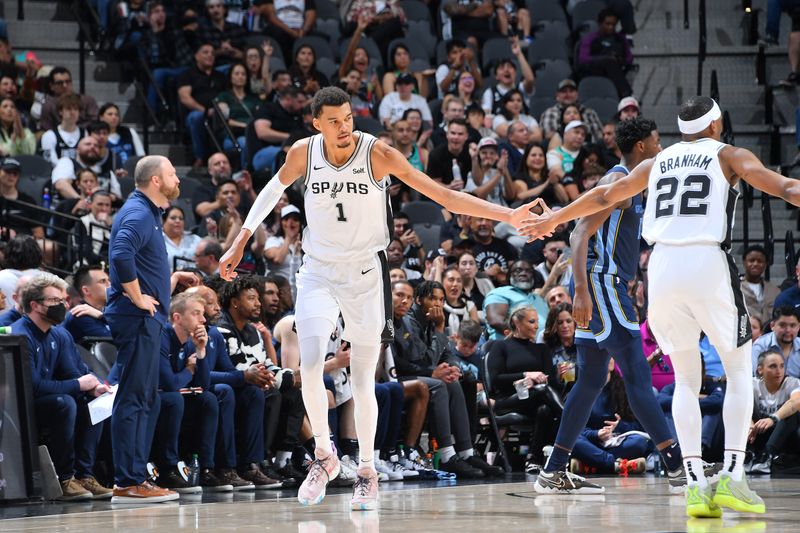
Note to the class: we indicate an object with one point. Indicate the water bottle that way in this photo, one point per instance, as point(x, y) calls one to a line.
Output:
point(46, 200)
point(658, 468)
point(436, 455)
point(457, 174)
point(194, 471)
point(428, 462)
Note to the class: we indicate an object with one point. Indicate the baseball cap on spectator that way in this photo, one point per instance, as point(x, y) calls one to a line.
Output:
point(11, 164)
point(404, 78)
point(290, 210)
point(567, 84)
point(628, 101)
point(433, 254)
point(487, 142)
point(575, 124)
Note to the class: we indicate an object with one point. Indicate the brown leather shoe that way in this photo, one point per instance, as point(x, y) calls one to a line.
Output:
point(99, 492)
point(72, 491)
point(143, 493)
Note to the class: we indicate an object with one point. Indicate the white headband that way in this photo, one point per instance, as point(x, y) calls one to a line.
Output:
point(690, 127)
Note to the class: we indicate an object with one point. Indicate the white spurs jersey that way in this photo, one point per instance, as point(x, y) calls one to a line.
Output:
point(689, 200)
point(347, 208)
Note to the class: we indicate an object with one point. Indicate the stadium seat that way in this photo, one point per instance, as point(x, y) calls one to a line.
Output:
point(415, 49)
point(34, 165)
point(554, 31)
point(548, 78)
point(416, 10)
point(545, 11)
point(596, 87)
point(33, 186)
point(257, 40)
point(328, 67)
point(606, 107)
point(369, 124)
point(188, 187)
point(428, 235)
point(127, 185)
point(584, 11)
point(420, 212)
point(493, 50)
point(97, 367)
point(276, 63)
point(321, 46)
point(326, 10)
point(105, 353)
point(538, 104)
point(548, 47)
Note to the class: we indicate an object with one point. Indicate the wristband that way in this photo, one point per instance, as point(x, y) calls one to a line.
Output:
point(774, 418)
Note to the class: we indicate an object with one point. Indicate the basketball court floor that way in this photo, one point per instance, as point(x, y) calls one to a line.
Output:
point(639, 504)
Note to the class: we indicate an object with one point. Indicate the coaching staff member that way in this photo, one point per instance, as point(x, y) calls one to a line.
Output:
point(138, 300)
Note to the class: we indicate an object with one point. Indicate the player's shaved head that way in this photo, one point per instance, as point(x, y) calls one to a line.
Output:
point(695, 107)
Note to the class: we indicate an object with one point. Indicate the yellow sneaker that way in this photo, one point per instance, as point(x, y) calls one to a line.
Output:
point(737, 495)
point(699, 503)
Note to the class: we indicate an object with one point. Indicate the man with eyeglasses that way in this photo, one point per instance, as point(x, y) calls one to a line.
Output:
point(61, 83)
point(567, 94)
point(62, 387)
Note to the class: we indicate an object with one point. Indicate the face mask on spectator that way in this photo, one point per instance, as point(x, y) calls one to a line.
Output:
point(56, 313)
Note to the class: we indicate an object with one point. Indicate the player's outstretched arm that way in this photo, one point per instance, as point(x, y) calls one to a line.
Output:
point(386, 160)
point(292, 169)
point(600, 198)
point(749, 168)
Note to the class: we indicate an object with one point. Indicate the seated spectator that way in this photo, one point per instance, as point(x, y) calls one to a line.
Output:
point(256, 60)
point(661, 369)
point(517, 140)
point(86, 182)
point(468, 91)
point(790, 296)
point(94, 232)
point(19, 219)
point(598, 448)
point(518, 361)
point(66, 171)
point(399, 65)
point(179, 242)
point(207, 255)
point(13, 308)
point(60, 82)
point(14, 138)
point(500, 301)
point(491, 179)
point(628, 108)
point(396, 260)
point(197, 87)
point(567, 94)
point(420, 132)
point(513, 107)
point(356, 57)
point(493, 255)
point(466, 344)
point(611, 152)
point(560, 161)
point(381, 21)
point(783, 339)
point(453, 108)
point(204, 199)
point(23, 257)
point(421, 352)
point(505, 73)
point(559, 336)
point(128, 24)
point(460, 63)
point(759, 294)
point(86, 319)
point(227, 39)
point(775, 419)
point(280, 80)
point(109, 164)
point(238, 105)
point(287, 21)
point(555, 296)
point(62, 141)
point(555, 269)
point(284, 252)
point(533, 180)
point(122, 141)
point(757, 327)
point(475, 288)
point(304, 73)
point(62, 387)
point(271, 126)
point(404, 142)
point(457, 307)
point(514, 18)
point(456, 231)
point(165, 48)
point(394, 104)
point(469, 20)
point(9, 89)
point(363, 103)
point(606, 52)
point(453, 154)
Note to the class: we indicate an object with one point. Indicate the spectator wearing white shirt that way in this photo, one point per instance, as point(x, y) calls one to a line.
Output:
point(284, 251)
point(512, 108)
point(62, 141)
point(505, 72)
point(396, 103)
point(782, 339)
point(88, 156)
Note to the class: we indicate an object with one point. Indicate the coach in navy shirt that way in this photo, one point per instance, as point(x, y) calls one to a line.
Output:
point(138, 301)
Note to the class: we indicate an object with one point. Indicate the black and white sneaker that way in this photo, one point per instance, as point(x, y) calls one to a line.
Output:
point(677, 478)
point(532, 468)
point(172, 480)
point(563, 482)
point(761, 465)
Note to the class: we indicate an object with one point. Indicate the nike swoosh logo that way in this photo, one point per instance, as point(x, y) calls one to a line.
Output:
point(365, 271)
point(319, 168)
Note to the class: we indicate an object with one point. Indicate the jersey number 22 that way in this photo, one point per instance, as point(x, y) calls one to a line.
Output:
point(693, 193)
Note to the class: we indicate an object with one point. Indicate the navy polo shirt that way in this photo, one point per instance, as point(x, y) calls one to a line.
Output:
point(137, 251)
point(53, 359)
point(84, 326)
point(172, 372)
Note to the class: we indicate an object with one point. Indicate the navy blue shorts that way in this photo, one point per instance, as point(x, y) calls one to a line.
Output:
point(614, 320)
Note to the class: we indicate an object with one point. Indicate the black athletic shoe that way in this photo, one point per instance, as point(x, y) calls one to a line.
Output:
point(563, 482)
point(211, 483)
point(291, 472)
point(461, 469)
point(172, 480)
point(230, 477)
point(477, 461)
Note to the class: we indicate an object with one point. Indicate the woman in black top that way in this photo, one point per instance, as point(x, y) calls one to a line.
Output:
point(532, 179)
point(304, 73)
point(519, 359)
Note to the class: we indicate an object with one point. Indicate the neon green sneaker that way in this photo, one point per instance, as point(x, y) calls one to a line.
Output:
point(737, 495)
point(699, 503)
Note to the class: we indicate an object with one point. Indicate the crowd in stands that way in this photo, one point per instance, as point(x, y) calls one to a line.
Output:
point(482, 319)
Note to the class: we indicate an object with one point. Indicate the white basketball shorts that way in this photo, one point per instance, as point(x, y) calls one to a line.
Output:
point(695, 288)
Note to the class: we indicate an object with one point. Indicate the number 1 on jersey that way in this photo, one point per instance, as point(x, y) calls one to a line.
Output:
point(341, 218)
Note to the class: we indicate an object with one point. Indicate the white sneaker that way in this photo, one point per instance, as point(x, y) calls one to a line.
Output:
point(413, 462)
point(347, 474)
point(408, 473)
point(383, 468)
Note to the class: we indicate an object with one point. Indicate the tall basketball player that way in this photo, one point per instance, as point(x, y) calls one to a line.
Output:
point(345, 174)
point(694, 283)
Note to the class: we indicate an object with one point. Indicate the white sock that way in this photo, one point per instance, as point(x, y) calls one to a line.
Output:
point(466, 454)
point(694, 471)
point(734, 464)
point(446, 453)
point(363, 360)
point(312, 360)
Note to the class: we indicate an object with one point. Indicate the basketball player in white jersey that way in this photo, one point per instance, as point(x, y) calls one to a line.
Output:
point(694, 283)
point(345, 174)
